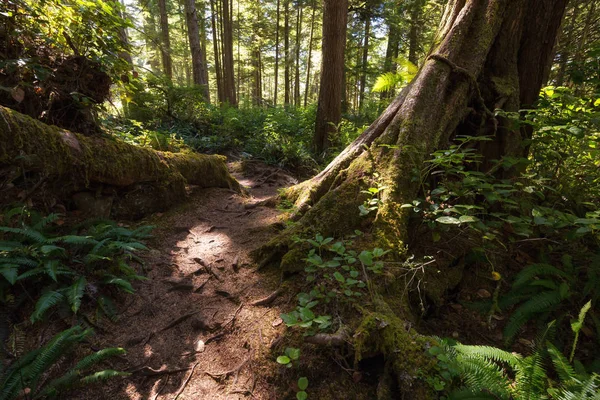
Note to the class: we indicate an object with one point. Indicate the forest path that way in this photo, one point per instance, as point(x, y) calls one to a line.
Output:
point(191, 331)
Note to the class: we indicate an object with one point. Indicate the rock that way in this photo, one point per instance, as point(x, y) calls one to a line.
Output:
point(199, 348)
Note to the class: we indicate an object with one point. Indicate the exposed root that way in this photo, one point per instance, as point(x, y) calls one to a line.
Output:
point(184, 384)
point(338, 339)
point(267, 300)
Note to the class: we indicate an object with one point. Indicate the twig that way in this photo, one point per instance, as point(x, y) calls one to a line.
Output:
point(178, 321)
point(267, 300)
point(184, 384)
point(231, 371)
point(148, 371)
point(260, 183)
point(161, 388)
point(234, 316)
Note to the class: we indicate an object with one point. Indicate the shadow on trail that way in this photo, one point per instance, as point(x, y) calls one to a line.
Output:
point(191, 329)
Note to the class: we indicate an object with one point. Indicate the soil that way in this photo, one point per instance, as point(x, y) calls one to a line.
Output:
point(193, 316)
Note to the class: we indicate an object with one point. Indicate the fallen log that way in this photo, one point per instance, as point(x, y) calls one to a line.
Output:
point(139, 180)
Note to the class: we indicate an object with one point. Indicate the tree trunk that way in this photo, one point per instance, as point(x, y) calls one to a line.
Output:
point(276, 54)
point(488, 54)
point(165, 49)
point(217, 54)
point(391, 54)
point(228, 75)
point(204, 48)
point(286, 51)
point(329, 109)
point(151, 38)
point(135, 180)
point(365, 59)
point(309, 57)
point(297, 55)
point(198, 68)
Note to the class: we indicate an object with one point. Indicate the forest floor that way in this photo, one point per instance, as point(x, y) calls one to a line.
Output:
point(190, 330)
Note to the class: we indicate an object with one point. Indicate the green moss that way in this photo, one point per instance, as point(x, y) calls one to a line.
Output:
point(383, 333)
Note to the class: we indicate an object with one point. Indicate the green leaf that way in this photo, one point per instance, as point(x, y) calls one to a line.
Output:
point(10, 272)
point(75, 293)
point(283, 360)
point(45, 302)
point(306, 314)
point(301, 395)
point(448, 220)
point(293, 353)
point(467, 219)
point(302, 383)
point(338, 277)
point(366, 257)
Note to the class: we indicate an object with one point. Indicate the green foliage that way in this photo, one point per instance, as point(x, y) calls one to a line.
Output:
point(24, 374)
point(489, 372)
point(53, 269)
point(338, 273)
point(291, 356)
point(374, 200)
point(404, 73)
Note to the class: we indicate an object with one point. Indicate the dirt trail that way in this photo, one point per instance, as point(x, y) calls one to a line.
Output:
point(200, 288)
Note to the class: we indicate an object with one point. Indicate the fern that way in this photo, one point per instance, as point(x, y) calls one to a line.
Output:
point(28, 233)
point(524, 277)
point(565, 371)
point(542, 302)
point(75, 293)
point(26, 371)
point(46, 302)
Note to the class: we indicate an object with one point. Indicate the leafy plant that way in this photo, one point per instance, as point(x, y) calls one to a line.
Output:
point(335, 270)
point(374, 200)
point(291, 355)
point(24, 376)
point(57, 269)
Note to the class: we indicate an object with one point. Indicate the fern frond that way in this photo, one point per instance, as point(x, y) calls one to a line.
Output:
point(75, 293)
point(75, 240)
point(99, 356)
point(6, 245)
point(44, 222)
point(387, 81)
point(534, 270)
point(542, 302)
point(530, 380)
point(467, 394)
point(562, 366)
point(28, 233)
point(121, 283)
point(489, 352)
point(481, 374)
point(24, 261)
point(101, 376)
point(46, 302)
point(10, 273)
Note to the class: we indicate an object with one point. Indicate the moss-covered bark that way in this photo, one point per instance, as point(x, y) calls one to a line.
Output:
point(80, 162)
point(485, 57)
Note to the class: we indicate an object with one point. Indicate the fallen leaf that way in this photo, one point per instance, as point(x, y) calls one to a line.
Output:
point(277, 322)
point(484, 294)
point(18, 94)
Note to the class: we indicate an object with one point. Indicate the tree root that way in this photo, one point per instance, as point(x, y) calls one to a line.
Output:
point(338, 339)
point(267, 300)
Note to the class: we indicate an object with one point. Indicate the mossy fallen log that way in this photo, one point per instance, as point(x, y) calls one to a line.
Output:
point(106, 165)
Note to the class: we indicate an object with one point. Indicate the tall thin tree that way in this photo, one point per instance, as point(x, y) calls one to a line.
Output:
point(329, 109)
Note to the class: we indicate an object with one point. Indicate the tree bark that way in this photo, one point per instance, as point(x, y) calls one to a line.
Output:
point(329, 109)
point(228, 75)
point(286, 51)
point(276, 54)
point(488, 54)
point(365, 59)
point(198, 68)
point(297, 55)
point(165, 49)
point(75, 163)
point(309, 57)
point(217, 54)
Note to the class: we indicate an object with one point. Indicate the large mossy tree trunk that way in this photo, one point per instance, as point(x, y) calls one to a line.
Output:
point(136, 180)
point(487, 55)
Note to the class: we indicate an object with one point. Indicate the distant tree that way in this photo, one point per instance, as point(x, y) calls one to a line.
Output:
point(198, 65)
point(329, 109)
